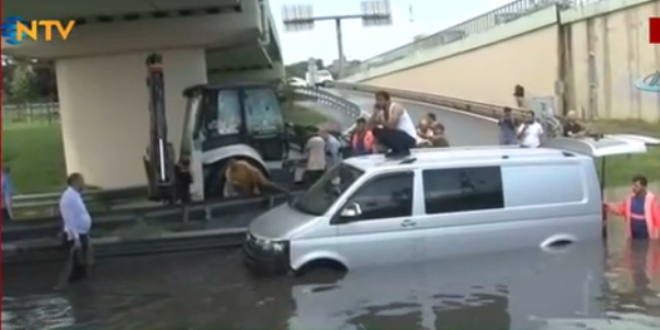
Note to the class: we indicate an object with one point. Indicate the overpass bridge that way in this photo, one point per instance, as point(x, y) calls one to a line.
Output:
point(592, 56)
point(101, 68)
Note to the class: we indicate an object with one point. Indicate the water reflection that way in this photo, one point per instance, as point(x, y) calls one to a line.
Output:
point(606, 285)
point(37, 312)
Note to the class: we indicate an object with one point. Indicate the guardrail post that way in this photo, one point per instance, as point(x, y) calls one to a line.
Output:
point(207, 214)
point(185, 213)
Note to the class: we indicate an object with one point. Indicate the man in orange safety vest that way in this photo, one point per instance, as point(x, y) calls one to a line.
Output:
point(640, 211)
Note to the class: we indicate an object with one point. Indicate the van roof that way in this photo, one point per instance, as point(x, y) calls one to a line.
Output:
point(430, 156)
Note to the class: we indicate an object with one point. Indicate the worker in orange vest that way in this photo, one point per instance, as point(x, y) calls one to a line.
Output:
point(362, 140)
point(640, 211)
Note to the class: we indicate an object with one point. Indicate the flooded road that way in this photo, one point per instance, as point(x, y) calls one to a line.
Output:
point(588, 286)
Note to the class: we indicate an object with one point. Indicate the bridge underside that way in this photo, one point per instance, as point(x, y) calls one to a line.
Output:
point(101, 69)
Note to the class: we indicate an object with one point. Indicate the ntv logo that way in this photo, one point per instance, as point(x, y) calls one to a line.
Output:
point(15, 31)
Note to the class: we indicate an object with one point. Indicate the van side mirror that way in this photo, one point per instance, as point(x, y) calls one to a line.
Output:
point(352, 210)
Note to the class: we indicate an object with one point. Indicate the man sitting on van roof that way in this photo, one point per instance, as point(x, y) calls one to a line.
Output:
point(640, 211)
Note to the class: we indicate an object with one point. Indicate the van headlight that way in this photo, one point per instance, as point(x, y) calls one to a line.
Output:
point(274, 246)
point(268, 245)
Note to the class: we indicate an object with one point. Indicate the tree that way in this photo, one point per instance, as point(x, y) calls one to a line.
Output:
point(22, 85)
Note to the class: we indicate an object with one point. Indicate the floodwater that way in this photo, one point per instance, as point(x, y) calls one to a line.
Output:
point(600, 285)
point(588, 286)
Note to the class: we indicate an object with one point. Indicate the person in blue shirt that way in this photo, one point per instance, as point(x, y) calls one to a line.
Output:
point(508, 127)
point(7, 194)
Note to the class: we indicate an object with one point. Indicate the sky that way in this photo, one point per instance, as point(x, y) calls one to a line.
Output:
point(428, 17)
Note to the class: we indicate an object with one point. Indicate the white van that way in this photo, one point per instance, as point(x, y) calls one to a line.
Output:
point(322, 77)
point(439, 203)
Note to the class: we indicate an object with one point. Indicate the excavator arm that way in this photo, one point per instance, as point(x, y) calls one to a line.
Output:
point(159, 161)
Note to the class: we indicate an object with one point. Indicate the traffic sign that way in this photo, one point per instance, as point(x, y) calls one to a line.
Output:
point(376, 13)
point(298, 17)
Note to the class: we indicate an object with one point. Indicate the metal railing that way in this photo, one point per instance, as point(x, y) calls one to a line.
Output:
point(30, 112)
point(323, 97)
point(47, 204)
point(553, 124)
point(479, 24)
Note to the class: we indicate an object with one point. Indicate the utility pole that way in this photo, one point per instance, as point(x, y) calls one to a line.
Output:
point(301, 18)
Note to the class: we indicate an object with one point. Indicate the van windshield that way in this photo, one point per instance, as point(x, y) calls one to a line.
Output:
point(325, 192)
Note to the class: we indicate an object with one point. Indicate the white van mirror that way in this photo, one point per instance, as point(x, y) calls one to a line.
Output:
point(351, 210)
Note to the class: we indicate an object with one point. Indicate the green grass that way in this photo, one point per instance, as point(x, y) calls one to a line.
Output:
point(35, 154)
point(619, 170)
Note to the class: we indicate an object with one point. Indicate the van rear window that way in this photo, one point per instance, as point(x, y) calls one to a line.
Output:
point(544, 184)
point(463, 189)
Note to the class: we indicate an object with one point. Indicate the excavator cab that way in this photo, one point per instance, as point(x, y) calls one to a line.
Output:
point(240, 121)
point(222, 122)
point(239, 114)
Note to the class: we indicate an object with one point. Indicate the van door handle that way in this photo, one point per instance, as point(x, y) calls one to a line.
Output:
point(408, 223)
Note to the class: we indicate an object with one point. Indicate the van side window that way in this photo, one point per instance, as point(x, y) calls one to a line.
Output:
point(386, 196)
point(463, 189)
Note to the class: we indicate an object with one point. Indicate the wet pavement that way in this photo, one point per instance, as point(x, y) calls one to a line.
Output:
point(604, 285)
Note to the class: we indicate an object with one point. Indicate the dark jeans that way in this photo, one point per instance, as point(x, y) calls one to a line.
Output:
point(5, 216)
point(310, 177)
point(183, 180)
point(399, 142)
point(76, 266)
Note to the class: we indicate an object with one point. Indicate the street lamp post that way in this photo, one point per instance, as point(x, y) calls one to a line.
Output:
point(301, 18)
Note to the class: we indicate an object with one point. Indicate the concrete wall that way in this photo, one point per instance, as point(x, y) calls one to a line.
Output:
point(486, 66)
point(604, 46)
point(609, 53)
point(104, 111)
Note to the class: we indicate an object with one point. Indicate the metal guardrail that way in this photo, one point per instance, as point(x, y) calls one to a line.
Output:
point(38, 242)
point(320, 96)
point(51, 250)
point(39, 107)
point(155, 214)
point(47, 205)
point(552, 123)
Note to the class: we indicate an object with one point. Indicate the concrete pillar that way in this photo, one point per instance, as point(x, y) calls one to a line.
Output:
point(104, 111)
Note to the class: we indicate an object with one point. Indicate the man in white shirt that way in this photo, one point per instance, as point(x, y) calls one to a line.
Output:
point(332, 146)
point(316, 159)
point(530, 132)
point(392, 126)
point(77, 224)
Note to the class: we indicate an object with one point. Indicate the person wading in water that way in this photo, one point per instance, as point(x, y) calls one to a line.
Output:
point(640, 211)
